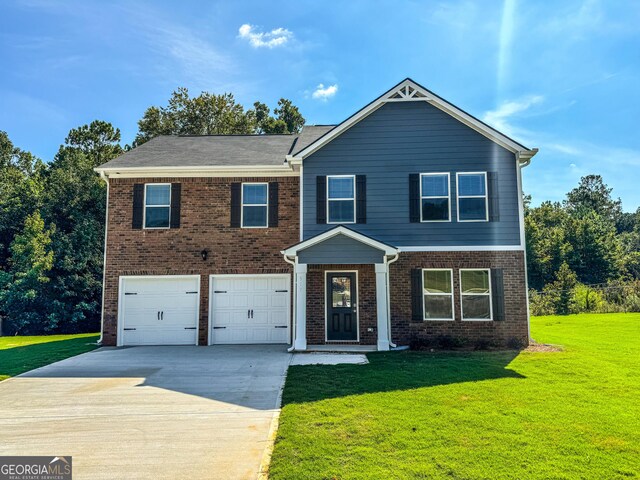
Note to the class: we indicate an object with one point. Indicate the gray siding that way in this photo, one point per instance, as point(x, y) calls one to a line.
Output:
point(401, 138)
point(340, 249)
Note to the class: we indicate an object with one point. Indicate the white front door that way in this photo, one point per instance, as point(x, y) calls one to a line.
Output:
point(250, 308)
point(159, 310)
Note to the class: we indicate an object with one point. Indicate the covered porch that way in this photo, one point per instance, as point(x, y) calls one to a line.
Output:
point(341, 292)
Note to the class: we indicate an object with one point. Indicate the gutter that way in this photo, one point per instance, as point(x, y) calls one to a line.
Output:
point(524, 157)
point(389, 262)
point(294, 305)
point(104, 258)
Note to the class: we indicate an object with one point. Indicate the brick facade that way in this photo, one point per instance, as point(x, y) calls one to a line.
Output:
point(205, 224)
point(513, 329)
point(317, 295)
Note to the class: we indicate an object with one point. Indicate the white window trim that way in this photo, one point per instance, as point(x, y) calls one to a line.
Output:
point(453, 312)
point(144, 207)
point(353, 177)
point(485, 196)
point(448, 196)
point(490, 294)
point(242, 204)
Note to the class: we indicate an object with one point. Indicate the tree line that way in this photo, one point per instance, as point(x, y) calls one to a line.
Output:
point(583, 253)
point(52, 214)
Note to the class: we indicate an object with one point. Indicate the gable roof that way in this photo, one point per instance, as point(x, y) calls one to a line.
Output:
point(410, 91)
point(293, 250)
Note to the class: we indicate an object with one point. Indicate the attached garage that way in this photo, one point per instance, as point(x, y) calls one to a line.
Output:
point(159, 310)
point(249, 309)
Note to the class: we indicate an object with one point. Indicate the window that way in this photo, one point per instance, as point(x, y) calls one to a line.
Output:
point(475, 293)
point(254, 205)
point(437, 288)
point(157, 205)
point(472, 197)
point(341, 199)
point(434, 197)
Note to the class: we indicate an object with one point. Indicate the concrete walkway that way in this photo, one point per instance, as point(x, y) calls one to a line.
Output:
point(149, 412)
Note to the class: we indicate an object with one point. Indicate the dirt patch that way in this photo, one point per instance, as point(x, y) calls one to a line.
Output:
point(543, 347)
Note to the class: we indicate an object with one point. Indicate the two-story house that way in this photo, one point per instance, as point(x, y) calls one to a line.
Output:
point(403, 222)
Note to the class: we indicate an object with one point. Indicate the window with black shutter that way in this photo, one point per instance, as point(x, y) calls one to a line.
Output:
point(138, 206)
point(236, 204)
point(273, 204)
point(176, 193)
point(361, 199)
point(497, 291)
point(414, 198)
point(321, 199)
point(417, 314)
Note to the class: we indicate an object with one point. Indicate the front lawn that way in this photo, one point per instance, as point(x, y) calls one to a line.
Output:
point(21, 354)
point(476, 415)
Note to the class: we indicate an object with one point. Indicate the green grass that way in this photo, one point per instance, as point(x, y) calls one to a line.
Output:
point(21, 354)
point(476, 415)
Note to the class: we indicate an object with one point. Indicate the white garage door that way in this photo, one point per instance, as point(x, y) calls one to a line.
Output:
point(250, 308)
point(159, 310)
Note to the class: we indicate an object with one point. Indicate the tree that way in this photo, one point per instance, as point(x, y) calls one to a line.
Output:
point(206, 114)
point(561, 289)
point(22, 297)
point(592, 194)
point(21, 186)
point(211, 114)
point(99, 141)
point(546, 241)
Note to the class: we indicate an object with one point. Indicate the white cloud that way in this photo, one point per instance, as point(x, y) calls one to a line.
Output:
point(324, 93)
point(499, 118)
point(275, 38)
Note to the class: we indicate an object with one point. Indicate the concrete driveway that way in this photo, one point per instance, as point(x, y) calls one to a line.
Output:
point(149, 412)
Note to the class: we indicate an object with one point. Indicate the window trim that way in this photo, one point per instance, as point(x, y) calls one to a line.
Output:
point(485, 196)
point(327, 200)
point(452, 294)
point(144, 207)
point(490, 295)
point(242, 205)
point(448, 197)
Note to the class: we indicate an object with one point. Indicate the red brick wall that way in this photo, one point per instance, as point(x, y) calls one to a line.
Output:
point(316, 299)
point(514, 327)
point(205, 218)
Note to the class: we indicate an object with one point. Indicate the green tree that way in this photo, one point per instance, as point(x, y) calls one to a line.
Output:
point(206, 114)
point(23, 298)
point(561, 290)
point(592, 194)
point(288, 113)
point(546, 241)
point(21, 186)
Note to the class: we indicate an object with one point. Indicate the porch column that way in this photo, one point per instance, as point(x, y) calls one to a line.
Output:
point(300, 342)
point(382, 275)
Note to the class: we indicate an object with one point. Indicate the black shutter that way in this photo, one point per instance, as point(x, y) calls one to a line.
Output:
point(417, 315)
point(494, 202)
point(321, 199)
point(236, 204)
point(175, 205)
point(138, 205)
point(497, 293)
point(361, 199)
point(414, 198)
point(273, 204)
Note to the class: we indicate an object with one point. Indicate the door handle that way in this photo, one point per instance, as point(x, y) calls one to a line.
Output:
point(158, 315)
point(161, 315)
point(252, 313)
point(248, 313)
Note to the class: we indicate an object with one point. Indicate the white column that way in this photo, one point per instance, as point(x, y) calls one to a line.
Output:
point(300, 342)
point(382, 275)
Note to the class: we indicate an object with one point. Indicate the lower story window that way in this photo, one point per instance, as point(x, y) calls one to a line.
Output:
point(475, 294)
point(437, 287)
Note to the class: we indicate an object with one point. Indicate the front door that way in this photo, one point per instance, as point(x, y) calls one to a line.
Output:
point(342, 311)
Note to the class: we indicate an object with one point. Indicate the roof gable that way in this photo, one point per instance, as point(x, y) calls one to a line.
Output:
point(410, 91)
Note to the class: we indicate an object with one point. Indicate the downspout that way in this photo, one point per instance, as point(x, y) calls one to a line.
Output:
point(295, 296)
point(104, 258)
point(389, 262)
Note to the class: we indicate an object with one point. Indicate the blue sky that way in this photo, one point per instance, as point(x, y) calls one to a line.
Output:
point(561, 76)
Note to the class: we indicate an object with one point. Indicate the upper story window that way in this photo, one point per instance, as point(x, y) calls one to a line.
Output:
point(435, 204)
point(475, 294)
point(255, 205)
point(472, 197)
point(157, 205)
point(341, 199)
point(437, 290)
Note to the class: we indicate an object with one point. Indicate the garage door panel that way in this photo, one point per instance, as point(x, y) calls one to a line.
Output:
point(229, 320)
point(159, 310)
